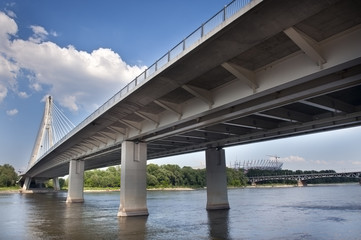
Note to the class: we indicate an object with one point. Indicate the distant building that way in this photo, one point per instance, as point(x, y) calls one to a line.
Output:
point(265, 164)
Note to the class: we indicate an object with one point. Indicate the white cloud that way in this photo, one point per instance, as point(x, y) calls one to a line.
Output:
point(38, 30)
point(10, 13)
point(319, 162)
point(36, 86)
point(356, 162)
point(12, 112)
point(76, 79)
point(23, 95)
point(3, 92)
point(39, 34)
point(292, 159)
point(8, 25)
point(54, 34)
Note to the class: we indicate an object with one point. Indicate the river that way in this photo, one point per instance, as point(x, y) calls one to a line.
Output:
point(313, 212)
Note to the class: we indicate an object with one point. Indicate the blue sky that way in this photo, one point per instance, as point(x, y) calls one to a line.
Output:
point(83, 52)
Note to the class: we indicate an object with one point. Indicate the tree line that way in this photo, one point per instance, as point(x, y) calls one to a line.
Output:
point(164, 176)
point(8, 176)
point(172, 176)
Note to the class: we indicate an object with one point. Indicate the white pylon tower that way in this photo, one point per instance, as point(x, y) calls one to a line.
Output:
point(44, 140)
point(54, 126)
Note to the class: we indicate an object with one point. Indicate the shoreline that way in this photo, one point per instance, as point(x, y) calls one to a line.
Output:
point(9, 191)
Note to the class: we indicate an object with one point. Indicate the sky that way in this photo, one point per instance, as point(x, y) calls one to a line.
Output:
point(82, 52)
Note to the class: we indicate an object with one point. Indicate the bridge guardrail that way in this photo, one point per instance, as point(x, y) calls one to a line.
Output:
point(228, 11)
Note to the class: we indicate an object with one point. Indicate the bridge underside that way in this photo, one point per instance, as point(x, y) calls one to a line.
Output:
point(276, 69)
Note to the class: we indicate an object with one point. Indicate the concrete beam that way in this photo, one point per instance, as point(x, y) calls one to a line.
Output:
point(168, 106)
point(130, 124)
point(117, 130)
point(217, 197)
point(306, 44)
point(146, 117)
point(133, 192)
point(242, 74)
point(202, 94)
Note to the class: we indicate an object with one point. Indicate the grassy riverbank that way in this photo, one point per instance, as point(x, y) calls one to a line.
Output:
point(9, 189)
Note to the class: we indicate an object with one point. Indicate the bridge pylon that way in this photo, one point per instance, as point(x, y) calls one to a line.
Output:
point(43, 141)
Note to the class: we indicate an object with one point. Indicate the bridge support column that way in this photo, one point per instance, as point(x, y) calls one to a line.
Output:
point(217, 196)
point(76, 182)
point(26, 184)
point(56, 184)
point(133, 191)
point(301, 183)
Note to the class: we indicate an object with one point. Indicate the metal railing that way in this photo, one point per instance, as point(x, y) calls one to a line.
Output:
point(207, 27)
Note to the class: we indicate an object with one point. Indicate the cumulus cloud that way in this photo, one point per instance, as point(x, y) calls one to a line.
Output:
point(76, 79)
point(12, 112)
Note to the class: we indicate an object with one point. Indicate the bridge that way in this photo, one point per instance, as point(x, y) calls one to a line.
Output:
point(302, 178)
point(257, 70)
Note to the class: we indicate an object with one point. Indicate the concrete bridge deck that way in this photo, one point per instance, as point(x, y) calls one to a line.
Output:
point(273, 69)
point(250, 79)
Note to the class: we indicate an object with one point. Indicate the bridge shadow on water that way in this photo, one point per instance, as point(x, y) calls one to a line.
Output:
point(218, 221)
point(48, 216)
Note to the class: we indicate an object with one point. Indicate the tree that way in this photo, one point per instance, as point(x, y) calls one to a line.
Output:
point(102, 178)
point(236, 177)
point(8, 176)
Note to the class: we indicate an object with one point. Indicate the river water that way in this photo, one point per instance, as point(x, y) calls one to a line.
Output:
point(313, 212)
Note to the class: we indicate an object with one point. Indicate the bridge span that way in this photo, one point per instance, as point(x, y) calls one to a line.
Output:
point(257, 70)
point(302, 178)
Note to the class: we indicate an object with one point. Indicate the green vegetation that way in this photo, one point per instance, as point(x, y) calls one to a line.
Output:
point(109, 178)
point(164, 176)
point(167, 176)
point(8, 176)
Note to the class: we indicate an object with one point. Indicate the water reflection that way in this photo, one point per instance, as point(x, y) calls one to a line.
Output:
point(294, 213)
point(218, 223)
point(73, 221)
point(132, 227)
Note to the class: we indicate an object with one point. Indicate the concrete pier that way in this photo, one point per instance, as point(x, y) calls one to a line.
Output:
point(217, 196)
point(301, 183)
point(76, 182)
point(133, 192)
point(56, 184)
point(26, 185)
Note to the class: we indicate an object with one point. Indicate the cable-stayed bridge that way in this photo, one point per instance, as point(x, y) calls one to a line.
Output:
point(53, 127)
point(257, 70)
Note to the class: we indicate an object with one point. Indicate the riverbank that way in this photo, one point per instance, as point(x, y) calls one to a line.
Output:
point(93, 190)
point(5, 190)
